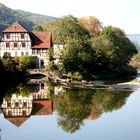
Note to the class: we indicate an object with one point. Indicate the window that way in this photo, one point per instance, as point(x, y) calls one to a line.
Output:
point(24, 112)
point(42, 85)
point(23, 44)
point(42, 63)
point(7, 35)
point(33, 51)
point(9, 113)
point(24, 104)
point(15, 45)
point(8, 104)
point(27, 53)
point(22, 53)
point(22, 35)
point(7, 45)
point(16, 104)
point(15, 53)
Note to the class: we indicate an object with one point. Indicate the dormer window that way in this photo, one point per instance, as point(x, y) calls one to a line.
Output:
point(22, 35)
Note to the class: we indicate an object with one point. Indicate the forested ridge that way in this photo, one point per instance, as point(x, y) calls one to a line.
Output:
point(29, 20)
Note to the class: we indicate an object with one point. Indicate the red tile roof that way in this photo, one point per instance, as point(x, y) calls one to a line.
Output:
point(42, 107)
point(15, 27)
point(17, 121)
point(41, 40)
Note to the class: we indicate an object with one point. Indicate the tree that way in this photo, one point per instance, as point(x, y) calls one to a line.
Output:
point(38, 29)
point(1, 69)
point(135, 61)
point(91, 24)
point(119, 43)
point(78, 54)
point(91, 50)
point(6, 55)
point(53, 27)
point(115, 51)
point(26, 62)
point(9, 65)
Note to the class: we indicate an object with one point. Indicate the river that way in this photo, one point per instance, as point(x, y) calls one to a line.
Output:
point(41, 111)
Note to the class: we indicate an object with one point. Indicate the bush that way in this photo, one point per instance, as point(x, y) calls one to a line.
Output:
point(75, 76)
point(26, 62)
point(51, 66)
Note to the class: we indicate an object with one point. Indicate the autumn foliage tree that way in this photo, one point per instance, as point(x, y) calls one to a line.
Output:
point(74, 106)
point(91, 24)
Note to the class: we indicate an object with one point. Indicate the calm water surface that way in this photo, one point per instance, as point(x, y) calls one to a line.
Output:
point(40, 111)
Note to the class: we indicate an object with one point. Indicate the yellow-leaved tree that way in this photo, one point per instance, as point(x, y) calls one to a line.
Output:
point(92, 24)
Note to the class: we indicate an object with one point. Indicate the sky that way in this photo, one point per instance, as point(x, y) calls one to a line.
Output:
point(119, 13)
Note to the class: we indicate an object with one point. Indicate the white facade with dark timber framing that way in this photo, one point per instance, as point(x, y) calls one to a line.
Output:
point(18, 41)
point(17, 106)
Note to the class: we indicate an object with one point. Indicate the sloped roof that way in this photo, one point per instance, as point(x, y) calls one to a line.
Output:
point(41, 40)
point(42, 107)
point(17, 121)
point(15, 27)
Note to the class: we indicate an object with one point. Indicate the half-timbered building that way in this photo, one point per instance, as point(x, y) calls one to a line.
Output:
point(18, 41)
point(17, 106)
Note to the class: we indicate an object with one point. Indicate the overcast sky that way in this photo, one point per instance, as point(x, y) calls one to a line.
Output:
point(120, 13)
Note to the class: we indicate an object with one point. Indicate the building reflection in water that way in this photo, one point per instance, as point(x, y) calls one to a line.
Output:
point(41, 92)
point(18, 108)
point(72, 106)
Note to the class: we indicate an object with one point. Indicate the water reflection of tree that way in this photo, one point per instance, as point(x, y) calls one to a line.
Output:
point(74, 106)
point(107, 101)
point(20, 89)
